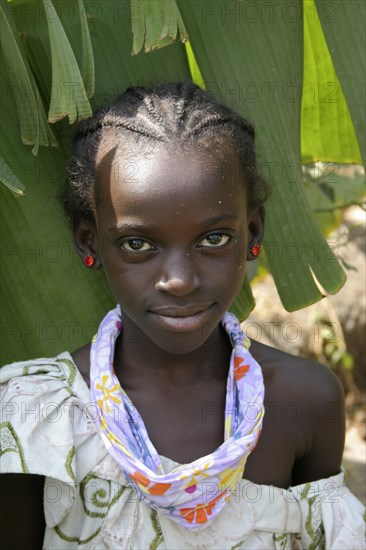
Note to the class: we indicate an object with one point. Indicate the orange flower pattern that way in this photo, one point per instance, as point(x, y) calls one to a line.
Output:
point(143, 482)
point(240, 370)
point(199, 514)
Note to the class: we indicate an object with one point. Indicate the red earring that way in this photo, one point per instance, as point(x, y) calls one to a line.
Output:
point(89, 261)
point(255, 249)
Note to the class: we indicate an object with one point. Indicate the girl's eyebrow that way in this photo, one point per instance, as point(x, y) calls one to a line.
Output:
point(145, 227)
point(132, 226)
point(225, 216)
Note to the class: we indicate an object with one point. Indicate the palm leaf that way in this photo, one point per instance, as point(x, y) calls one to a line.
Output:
point(263, 91)
point(34, 129)
point(87, 58)
point(155, 24)
point(327, 131)
point(344, 31)
point(41, 315)
point(255, 67)
point(9, 179)
point(71, 98)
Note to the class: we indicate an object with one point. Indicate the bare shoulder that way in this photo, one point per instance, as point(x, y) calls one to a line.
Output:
point(300, 377)
point(310, 405)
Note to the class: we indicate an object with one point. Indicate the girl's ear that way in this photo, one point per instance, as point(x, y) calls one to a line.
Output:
point(86, 243)
point(255, 232)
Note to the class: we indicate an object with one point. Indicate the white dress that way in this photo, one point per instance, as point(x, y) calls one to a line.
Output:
point(47, 428)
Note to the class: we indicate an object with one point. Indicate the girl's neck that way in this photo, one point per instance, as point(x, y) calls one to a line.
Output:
point(139, 361)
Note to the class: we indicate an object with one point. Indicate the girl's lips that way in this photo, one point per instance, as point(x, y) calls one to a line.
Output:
point(181, 321)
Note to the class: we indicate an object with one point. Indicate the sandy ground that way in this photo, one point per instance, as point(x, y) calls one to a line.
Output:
point(354, 462)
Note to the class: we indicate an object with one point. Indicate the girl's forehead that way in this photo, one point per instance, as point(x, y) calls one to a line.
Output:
point(184, 170)
point(183, 188)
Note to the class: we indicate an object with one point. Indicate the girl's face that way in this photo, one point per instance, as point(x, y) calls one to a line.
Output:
point(172, 233)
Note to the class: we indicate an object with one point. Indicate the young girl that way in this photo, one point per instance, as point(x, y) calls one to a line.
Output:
point(155, 435)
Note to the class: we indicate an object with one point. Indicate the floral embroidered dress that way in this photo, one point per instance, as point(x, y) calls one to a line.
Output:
point(48, 428)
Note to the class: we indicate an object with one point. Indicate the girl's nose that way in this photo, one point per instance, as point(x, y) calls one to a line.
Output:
point(178, 276)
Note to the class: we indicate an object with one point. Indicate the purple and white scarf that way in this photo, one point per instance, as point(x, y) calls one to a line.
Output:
point(192, 494)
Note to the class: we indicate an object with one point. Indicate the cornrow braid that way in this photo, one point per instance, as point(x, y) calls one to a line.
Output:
point(149, 104)
point(132, 127)
point(185, 94)
point(169, 115)
point(89, 126)
point(219, 120)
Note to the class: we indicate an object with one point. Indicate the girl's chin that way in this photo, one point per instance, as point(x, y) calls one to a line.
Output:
point(180, 343)
point(176, 335)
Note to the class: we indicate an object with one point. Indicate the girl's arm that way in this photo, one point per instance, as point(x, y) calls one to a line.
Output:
point(304, 404)
point(326, 414)
point(22, 519)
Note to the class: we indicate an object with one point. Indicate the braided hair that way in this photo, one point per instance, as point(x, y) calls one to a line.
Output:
point(169, 116)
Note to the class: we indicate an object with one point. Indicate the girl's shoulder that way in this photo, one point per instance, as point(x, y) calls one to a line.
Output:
point(303, 379)
point(42, 375)
point(46, 415)
point(304, 414)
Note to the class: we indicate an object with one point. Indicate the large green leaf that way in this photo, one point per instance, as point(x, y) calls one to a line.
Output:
point(250, 57)
point(267, 89)
point(71, 98)
point(155, 24)
point(50, 302)
point(44, 287)
point(327, 131)
point(32, 119)
point(344, 30)
point(9, 179)
point(87, 57)
point(193, 67)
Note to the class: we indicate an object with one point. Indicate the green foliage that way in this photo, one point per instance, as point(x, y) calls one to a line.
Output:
point(329, 192)
point(67, 58)
point(155, 24)
point(346, 39)
point(333, 349)
point(327, 131)
point(264, 91)
point(34, 129)
point(50, 302)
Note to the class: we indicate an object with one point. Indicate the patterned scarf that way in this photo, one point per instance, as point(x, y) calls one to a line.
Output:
point(191, 494)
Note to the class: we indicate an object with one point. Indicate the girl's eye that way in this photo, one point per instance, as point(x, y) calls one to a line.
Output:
point(214, 240)
point(136, 245)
